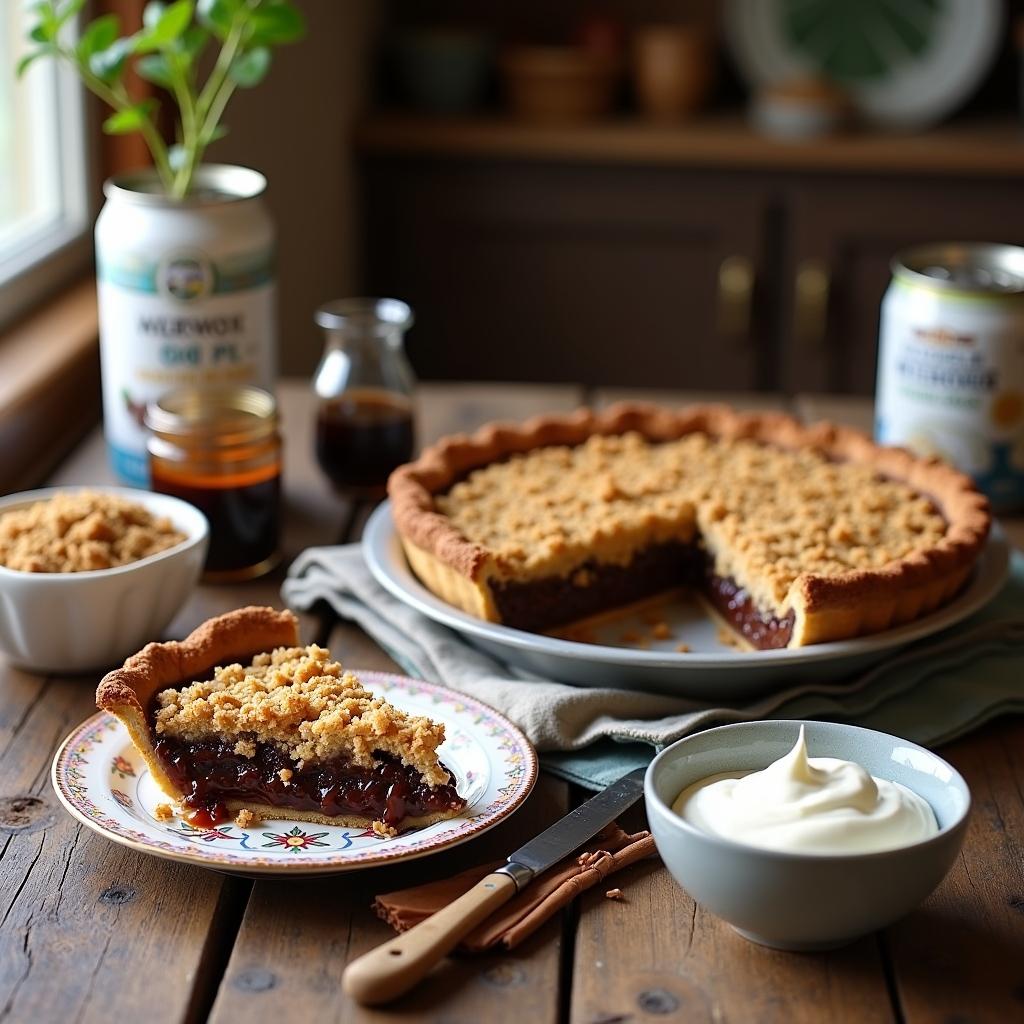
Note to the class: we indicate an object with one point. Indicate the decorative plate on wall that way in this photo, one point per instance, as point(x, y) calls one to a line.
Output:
point(905, 63)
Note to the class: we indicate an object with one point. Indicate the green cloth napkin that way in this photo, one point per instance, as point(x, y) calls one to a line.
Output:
point(930, 692)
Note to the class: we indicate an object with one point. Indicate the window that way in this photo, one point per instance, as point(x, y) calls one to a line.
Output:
point(44, 180)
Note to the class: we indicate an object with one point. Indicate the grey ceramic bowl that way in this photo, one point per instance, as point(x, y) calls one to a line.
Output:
point(803, 901)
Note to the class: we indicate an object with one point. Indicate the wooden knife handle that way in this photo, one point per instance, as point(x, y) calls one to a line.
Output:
point(392, 969)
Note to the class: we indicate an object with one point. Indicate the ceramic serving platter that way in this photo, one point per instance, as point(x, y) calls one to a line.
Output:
point(104, 782)
point(627, 654)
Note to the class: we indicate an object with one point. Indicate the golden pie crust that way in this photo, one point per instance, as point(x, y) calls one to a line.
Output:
point(814, 521)
point(294, 697)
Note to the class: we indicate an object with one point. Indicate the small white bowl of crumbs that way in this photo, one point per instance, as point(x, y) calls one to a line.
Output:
point(88, 575)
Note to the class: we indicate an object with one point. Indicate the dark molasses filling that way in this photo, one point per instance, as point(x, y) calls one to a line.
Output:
point(555, 601)
point(210, 773)
point(545, 604)
point(734, 604)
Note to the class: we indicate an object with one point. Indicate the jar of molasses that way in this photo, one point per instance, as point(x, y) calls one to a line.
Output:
point(220, 450)
point(363, 386)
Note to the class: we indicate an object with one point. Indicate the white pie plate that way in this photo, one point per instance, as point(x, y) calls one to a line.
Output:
point(103, 781)
point(709, 671)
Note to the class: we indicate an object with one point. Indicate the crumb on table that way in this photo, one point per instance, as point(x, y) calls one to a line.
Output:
point(163, 812)
point(683, 648)
point(614, 894)
point(246, 819)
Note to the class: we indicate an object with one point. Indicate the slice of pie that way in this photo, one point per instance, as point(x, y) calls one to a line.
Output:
point(794, 535)
point(237, 719)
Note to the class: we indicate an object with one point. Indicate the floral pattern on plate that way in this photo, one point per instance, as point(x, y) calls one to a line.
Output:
point(104, 782)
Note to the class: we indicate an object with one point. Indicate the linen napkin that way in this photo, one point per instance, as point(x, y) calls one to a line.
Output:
point(930, 692)
point(609, 851)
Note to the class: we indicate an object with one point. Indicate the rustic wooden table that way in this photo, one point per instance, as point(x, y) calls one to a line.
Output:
point(91, 931)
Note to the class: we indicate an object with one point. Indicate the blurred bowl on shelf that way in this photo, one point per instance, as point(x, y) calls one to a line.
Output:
point(559, 83)
point(443, 71)
point(800, 108)
point(673, 68)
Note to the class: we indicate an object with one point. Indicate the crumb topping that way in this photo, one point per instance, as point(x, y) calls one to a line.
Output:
point(247, 819)
point(82, 531)
point(300, 701)
point(765, 514)
point(163, 812)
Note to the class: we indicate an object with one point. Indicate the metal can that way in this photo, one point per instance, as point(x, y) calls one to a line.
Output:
point(951, 362)
point(186, 297)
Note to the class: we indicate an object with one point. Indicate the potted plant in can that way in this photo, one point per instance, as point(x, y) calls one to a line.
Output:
point(184, 250)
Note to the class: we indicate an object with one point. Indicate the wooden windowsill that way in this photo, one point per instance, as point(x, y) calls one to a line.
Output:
point(49, 384)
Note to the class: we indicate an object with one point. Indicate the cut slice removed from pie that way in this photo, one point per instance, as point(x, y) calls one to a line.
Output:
point(239, 719)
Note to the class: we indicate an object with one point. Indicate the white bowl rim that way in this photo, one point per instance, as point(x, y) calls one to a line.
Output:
point(783, 855)
point(195, 536)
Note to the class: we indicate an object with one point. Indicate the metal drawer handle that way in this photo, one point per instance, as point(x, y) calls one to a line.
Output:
point(813, 284)
point(735, 298)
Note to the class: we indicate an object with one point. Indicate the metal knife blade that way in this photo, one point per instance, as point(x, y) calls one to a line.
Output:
point(574, 829)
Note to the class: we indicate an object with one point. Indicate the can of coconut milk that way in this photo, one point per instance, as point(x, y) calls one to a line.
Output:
point(186, 297)
point(951, 362)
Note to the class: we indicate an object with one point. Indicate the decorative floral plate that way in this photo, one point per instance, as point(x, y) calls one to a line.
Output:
point(905, 63)
point(104, 782)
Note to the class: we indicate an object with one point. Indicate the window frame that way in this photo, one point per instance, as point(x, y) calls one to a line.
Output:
point(54, 256)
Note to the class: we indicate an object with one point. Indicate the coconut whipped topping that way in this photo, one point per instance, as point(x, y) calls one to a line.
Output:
point(802, 804)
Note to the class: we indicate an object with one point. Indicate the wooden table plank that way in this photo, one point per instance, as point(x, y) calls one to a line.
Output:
point(683, 961)
point(657, 954)
point(452, 408)
point(746, 400)
point(84, 921)
point(960, 957)
point(282, 971)
point(850, 410)
point(91, 931)
point(86, 911)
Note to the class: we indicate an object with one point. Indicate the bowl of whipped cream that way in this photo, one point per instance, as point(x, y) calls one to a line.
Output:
point(805, 835)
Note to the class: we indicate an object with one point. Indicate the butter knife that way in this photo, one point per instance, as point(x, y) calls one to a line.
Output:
point(393, 968)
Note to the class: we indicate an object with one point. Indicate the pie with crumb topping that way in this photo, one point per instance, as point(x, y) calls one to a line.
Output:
point(793, 535)
point(238, 719)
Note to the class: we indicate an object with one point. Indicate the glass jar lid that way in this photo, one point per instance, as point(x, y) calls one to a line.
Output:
point(220, 417)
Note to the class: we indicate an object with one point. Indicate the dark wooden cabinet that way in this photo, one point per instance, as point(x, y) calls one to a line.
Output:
point(533, 257)
point(841, 236)
point(619, 275)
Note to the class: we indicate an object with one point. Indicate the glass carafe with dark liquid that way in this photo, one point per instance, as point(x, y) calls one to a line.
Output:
point(363, 385)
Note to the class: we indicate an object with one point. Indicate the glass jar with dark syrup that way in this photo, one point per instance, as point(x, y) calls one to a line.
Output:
point(220, 450)
point(365, 426)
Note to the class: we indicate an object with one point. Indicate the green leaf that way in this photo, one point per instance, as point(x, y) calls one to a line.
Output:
point(155, 68)
point(109, 64)
point(131, 119)
point(31, 58)
point(192, 42)
point(97, 36)
point(275, 24)
point(47, 23)
point(250, 68)
point(218, 15)
point(164, 24)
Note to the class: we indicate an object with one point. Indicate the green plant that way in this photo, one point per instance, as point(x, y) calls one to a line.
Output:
point(167, 51)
